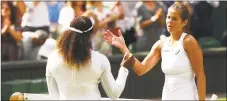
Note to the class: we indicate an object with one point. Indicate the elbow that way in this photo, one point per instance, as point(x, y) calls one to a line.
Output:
point(139, 73)
point(18, 38)
point(115, 94)
point(115, 97)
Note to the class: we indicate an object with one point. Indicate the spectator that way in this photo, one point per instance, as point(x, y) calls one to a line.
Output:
point(35, 18)
point(34, 43)
point(10, 37)
point(126, 21)
point(71, 9)
point(64, 20)
point(46, 49)
point(79, 7)
point(202, 18)
point(20, 9)
point(102, 14)
point(54, 9)
point(151, 21)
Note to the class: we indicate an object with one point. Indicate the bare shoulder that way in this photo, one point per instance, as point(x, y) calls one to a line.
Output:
point(190, 42)
point(158, 45)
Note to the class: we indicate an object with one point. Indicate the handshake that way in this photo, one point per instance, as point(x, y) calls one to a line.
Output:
point(128, 60)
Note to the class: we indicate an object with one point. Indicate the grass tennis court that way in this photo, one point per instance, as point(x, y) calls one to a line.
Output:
point(36, 96)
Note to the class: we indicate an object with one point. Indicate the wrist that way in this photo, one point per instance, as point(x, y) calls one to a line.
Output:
point(10, 30)
point(153, 18)
point(124, 50)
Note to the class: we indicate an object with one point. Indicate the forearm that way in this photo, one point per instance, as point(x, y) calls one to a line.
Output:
point(125, 49)
point(141, 67)
point(138, 67)
point(150, 21)
point(96, 25)
point(3, 30)
point(103, 23)
point(129, 61)
point(114, 88)
point(201, 83)
point(145, 23)
point(16, 35)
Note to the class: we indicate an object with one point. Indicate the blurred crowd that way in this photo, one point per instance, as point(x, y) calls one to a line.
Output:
point(29, 29)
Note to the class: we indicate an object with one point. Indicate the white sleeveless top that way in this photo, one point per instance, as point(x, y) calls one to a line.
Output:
point(179, 75)
point(68, 84)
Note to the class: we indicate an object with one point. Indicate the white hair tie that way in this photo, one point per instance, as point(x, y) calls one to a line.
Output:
point(75, 30)
point(79, 31)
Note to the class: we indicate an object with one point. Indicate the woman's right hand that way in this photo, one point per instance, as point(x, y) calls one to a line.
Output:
point(117, 41)
point(128, 60)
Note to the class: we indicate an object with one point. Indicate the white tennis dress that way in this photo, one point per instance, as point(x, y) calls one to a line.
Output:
point(179, 76)
point(68, 84)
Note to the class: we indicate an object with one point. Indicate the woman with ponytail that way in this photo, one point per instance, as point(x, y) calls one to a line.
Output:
point(182, 58)
point(74, 70)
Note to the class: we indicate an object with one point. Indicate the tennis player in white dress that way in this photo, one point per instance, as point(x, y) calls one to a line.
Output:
point(181, 56)
point(179, 75)
point(67, 81)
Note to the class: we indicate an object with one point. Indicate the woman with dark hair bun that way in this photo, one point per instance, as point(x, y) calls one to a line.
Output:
point(74, 71)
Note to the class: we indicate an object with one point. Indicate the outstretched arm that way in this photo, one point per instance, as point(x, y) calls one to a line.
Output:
point(150, 60)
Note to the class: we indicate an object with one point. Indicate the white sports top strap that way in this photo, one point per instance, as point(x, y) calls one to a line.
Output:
point(182, 38)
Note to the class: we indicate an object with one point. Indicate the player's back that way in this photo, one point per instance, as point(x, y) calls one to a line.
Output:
point(76, 84)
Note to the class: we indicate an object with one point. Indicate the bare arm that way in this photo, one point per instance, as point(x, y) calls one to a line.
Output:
point(148, 63)
point(21, 6)
point(11, 30)
point(113, 16)
point(196, 58)
point(15, 34)
point(4, 29)
point(150, 60)
point(120, 8)
point(99, 24)
point(89, 13)
point(154, 18)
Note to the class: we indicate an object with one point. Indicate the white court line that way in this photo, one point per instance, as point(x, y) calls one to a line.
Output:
point(32, 96)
